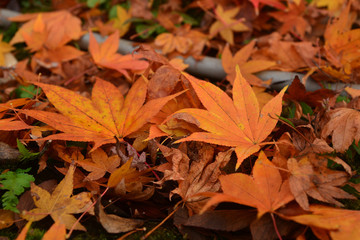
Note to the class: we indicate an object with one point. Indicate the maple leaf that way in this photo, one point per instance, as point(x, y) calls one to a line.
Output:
point(344, 128)
point(342, 43)
point(264, 190)
point(273, 3)
point(310, 176)
point(5, 48)
point(293, 20)
point(226, 24)
point(121, 22)
point(99, 164)
point(196, 175)
point(288, 55)
point(340, 223)
point(332, 6)
point(57, 36)
point(59, 204)
point(100, 119)
point(237, 123)
point(105, 55)
point(47, 53)
point(247, 68)
point(172, 41)
point(297, 92)
point(126, 178)
point(56, 232)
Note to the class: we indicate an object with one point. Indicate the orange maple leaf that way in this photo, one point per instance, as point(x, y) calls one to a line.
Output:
point(293, 20)
point(342, 43)
point(264, 190)
point(247, 67)
point(237, 123)
point(41, 41)
point(170, 42)
point(56, 232)
point(99, 164)
point(100, 119)
point(105, 55)
point(340, 223)
point(57, 36)
point(60, 204)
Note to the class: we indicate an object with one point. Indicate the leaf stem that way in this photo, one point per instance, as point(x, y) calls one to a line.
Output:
point(275, 226)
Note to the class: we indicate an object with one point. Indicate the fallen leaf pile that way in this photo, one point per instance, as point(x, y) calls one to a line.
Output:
point(133, 144)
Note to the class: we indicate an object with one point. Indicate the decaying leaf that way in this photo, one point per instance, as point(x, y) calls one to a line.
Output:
point(200, 174)
point(310, 176)
point(344, 127)
point(116, 224)
point(7, 218)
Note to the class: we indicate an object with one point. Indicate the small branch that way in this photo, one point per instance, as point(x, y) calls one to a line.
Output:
point(83, 214)
point(162, 222)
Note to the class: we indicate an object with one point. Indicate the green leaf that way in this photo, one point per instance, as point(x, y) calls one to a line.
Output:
point(306, 109)
point(14, 183)
point(26, 155)
point(27, 91)
point(287, 121)
point(342, 99)
point(188, 19)
point(93, 3)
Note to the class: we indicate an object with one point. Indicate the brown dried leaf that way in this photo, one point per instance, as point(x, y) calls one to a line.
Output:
point(115, 224)
point(344, 126)
point(311, 177)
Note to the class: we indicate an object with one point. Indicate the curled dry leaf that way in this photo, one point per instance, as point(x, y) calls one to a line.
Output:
point(7, 218)
point(116, 224)
point(344, 126)
point(196, 176)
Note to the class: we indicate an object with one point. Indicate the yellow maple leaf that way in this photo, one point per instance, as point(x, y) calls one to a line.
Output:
point(4, 49)
point(121, 22)
point(60, 204)
point(226, 24)
point(332, 6)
